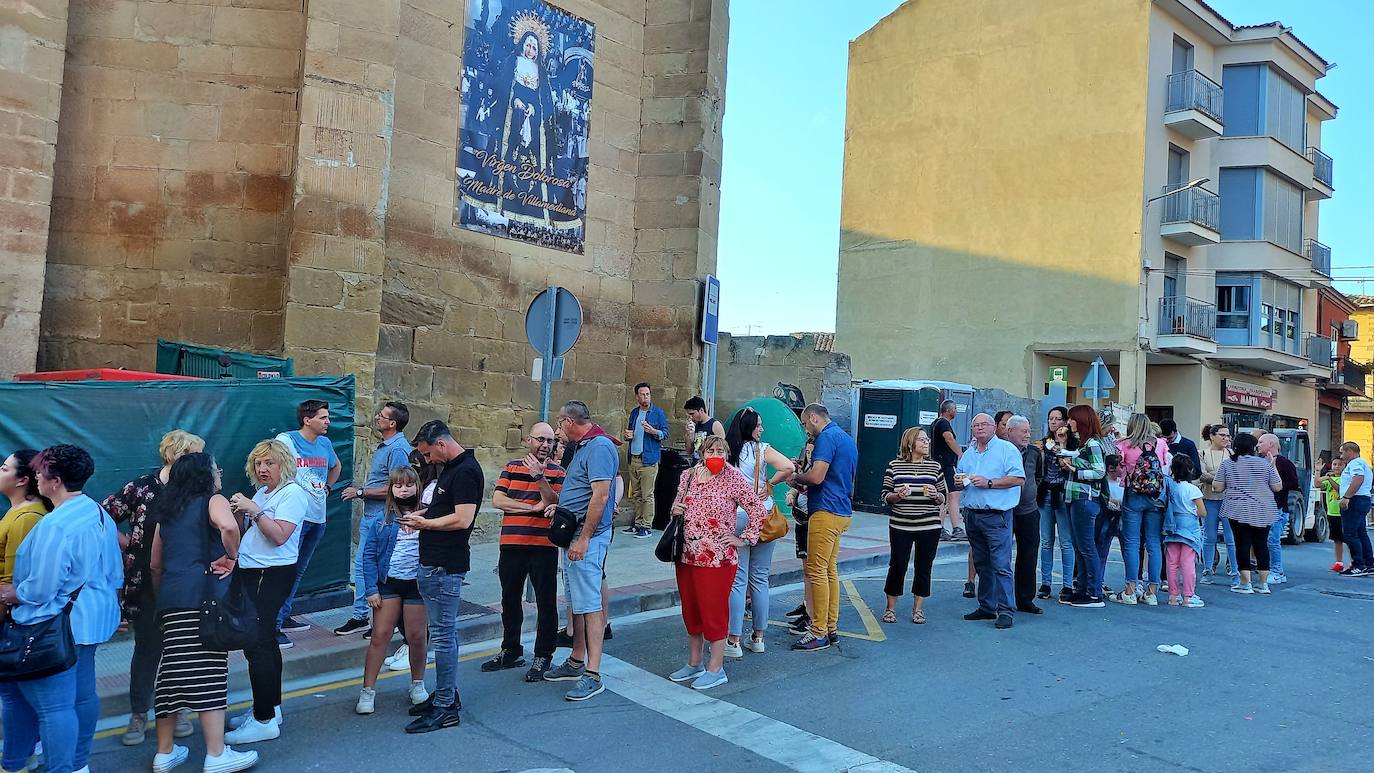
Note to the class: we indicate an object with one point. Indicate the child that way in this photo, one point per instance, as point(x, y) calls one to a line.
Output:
point(1331, 486)
point(391, 564)
point(1183, 533)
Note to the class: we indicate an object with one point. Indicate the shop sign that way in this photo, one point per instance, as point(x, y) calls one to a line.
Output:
point(1247, 395)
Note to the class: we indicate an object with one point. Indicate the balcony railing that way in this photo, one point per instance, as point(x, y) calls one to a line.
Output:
point(1319, 350)
point(1319, 254)
point(1191, 90)
point(1321, 166)
point(1351, 375)
point(1192, 205)
point(1185, 316)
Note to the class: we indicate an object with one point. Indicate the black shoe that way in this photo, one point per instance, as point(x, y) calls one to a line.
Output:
point(1029, 609)
point(1065, 595)
point(291, 625)
point(834, 637)
point(437, 719)
point(980, 614)
point(1087, 602)
point(565, 638)
point(800, 611)
point(423, 708)
point(503, 660)
point(801, 625)
point(607, 635)
point(352, 625)
point(1043, 593)
point(969, 590)
point(538, 667)
point(1003, 622)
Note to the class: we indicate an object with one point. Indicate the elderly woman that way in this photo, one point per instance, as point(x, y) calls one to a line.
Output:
point(914, 490)
point(709, 495)
point(74, 548)
point(1249, 482)
point(267, 566)
point(129, 507)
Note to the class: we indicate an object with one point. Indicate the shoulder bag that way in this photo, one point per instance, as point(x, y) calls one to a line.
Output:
point(564, 527)
point(775, 523)
point(39, 649)
point(674, 540)
point(228, 621)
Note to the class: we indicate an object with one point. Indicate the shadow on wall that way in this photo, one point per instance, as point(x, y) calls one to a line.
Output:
point(751, 366)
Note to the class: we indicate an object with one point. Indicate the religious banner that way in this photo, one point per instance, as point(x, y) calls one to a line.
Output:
point(522, 123)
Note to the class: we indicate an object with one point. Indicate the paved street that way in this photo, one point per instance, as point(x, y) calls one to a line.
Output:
point(1072, 690)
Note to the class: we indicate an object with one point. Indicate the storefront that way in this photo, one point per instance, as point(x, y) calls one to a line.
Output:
point(1249, 406)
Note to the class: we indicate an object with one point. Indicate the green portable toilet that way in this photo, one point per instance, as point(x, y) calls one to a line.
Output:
point(886, 409)
point(781, 427)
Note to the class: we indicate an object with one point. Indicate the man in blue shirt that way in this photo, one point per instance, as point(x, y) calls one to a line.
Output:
point(992, 472)
point(393, 452)
point(646, 429)
point(588, 490)
point(830, 489)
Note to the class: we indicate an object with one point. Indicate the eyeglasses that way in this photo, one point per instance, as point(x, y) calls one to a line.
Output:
point(983, 424)
point(542, 440)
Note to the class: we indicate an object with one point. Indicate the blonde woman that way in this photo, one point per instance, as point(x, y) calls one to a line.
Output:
point(914, 489)
point(1140, 515)
point(131, 505)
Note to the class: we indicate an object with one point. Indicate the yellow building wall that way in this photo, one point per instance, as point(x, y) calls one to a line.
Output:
point(1359, 416)
point(992, 187)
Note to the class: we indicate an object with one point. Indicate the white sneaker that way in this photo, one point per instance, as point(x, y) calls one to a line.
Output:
point(367, 700)
point(754, 645)
point(1122, 597)
point(165, 762)
point(237, 722)
point(230, 761)
point(1150, 599)
point(418, 693)
point(399, 660)
point(733, 650)
point(1194, 602)
point(253, 731)
point(1262, 589)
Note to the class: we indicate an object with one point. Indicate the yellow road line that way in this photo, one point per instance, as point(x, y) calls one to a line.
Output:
point(337, 685)
point(875, 631)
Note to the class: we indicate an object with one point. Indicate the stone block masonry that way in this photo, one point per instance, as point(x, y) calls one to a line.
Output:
point(278, 176)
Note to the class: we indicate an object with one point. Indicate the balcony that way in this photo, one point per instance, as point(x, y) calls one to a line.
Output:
point(1267, 152)
point(1319, 254)
point(1319, 350)
point(1267, 354)
point(1191, 216)
point(1194, 105)
point(1261, 255)
point(1186, 326)
point(1348, 377)
point(1321, 187)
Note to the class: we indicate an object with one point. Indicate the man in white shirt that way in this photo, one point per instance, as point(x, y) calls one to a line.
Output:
point(992, 472)
point(1355, 486)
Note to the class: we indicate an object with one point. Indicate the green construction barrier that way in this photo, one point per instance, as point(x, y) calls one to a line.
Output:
point(120, 424)
point(181, 359)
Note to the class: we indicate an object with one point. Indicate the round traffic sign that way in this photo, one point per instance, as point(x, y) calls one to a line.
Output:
point(553, 321)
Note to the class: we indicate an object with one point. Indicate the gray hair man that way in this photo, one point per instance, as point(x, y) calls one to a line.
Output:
point(1270, 449)
point(992, 473)
point(1025, 517)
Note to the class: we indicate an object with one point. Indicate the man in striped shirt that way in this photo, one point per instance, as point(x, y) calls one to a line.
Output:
point(524, 492)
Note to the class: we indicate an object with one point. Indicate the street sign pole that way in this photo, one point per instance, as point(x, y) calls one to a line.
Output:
point(553, 324)
point(546, 372)
point(709, 335)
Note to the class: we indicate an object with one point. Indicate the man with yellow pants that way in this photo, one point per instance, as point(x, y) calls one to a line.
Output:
point(646, 429)
point(830, 483)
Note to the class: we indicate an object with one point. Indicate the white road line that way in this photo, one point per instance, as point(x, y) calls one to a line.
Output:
point(767, 737)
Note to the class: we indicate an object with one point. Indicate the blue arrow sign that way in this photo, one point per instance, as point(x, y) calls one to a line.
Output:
point(1097, 385)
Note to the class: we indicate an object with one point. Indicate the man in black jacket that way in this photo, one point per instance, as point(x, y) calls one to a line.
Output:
point(1025, 517)
point(1178, 444)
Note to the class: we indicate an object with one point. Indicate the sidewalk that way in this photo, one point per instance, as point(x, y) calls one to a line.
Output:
point(638, 582)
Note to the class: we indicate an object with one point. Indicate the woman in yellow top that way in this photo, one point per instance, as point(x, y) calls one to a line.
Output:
point(19, 483)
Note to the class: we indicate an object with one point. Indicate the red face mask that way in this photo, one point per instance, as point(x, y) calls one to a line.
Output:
point(715, 464)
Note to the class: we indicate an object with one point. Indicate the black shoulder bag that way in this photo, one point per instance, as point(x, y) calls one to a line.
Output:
point(674, 540)
point(564, 526)
point(229, 621)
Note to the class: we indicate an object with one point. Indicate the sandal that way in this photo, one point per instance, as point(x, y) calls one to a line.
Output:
point(918, 617)
point(889, 616)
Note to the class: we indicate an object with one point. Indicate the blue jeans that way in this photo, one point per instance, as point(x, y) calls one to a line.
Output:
point(989, 539)
point(1209, 539)
point(1276, 544)
point(1087, 567)
point(311, 534)
point(441, 592)
point(1108, 526)
point(1134, 508)
point(62, 709)
point(755, 564)
point(1050, 517)
point(1356, 532)
point(1153, 525)
point(360, 607)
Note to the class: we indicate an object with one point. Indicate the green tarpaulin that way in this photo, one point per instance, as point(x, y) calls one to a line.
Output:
point(120, 424)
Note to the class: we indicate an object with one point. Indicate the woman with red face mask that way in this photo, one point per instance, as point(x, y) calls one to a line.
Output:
point(708, 496)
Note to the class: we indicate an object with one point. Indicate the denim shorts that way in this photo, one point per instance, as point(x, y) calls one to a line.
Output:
point(584, 577)
point(408, 591)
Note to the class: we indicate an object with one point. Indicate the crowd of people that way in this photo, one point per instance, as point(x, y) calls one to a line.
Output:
point(170, 544)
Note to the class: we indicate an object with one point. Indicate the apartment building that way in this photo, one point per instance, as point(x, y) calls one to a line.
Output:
point(1030, 186)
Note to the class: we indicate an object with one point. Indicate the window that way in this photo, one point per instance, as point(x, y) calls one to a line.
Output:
point(1282, 210)
point(1233, 307)
point(1182, 56)
point(1281, 317)
point(1260, 101)
point(1178, 166)
point(1256, 204)
point(1173, 276)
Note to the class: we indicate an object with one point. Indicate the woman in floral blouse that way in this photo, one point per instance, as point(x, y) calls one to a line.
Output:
point(130, 508)
point(708, 497)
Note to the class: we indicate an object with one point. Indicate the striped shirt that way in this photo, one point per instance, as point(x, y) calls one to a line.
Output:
point(1090, 468)
point(1248, 496)
point(917, 512)
point(526, 529)
point(75, 547)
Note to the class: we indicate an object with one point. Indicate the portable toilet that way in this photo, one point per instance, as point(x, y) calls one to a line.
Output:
point(886, 409)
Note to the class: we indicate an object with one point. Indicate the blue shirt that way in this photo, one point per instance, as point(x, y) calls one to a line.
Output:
point(999, 460)
point(394, 452)
point(648, 446)
point(836, 493)
point(74, 547)
point(595, 460)
point(313, 463)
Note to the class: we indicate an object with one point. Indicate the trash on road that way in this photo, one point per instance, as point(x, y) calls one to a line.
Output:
point(1176, 649)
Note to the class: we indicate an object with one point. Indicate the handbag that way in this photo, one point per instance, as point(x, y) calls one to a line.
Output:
point(564, 527)
point(673, 541)
point(228, 621)
point(775, 523)
point(36, 650)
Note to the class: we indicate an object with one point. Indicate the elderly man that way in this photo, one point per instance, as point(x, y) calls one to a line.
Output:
point(1025, 517)
point(1288, 473)
point(993, 473)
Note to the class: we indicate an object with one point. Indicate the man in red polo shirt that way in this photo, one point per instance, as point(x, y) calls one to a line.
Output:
point(525, 489)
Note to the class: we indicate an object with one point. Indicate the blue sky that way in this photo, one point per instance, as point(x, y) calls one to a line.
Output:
point(784, 149)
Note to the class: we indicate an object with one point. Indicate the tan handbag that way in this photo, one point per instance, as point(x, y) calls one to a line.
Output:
point(775, 523)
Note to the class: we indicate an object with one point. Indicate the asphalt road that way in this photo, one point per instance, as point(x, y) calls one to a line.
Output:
point(1277, 683)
